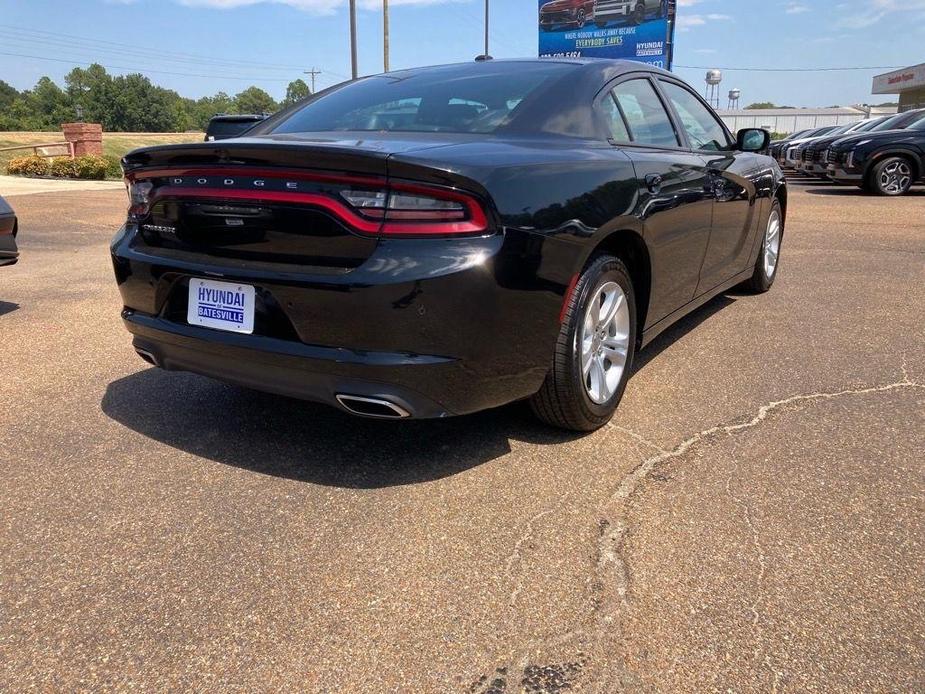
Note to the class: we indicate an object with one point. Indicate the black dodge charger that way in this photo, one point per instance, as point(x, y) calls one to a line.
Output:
point(443, 240)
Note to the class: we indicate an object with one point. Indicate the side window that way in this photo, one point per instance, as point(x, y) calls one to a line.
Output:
point(646, 118)
point(703, 129)
point(614, 119)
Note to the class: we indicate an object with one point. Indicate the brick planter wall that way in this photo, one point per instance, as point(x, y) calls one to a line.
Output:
point(87, 138)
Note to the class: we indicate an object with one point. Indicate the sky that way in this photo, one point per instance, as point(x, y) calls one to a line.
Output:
point(199, 47)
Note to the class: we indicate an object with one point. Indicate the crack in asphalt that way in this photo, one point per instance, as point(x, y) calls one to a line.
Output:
point(516, 557)
point(611, 568)
point(610, 544)
point(748, 515)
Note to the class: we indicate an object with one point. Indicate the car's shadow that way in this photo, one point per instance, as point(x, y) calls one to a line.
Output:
point(7, 307)
point(304, 441)
point(857, 192)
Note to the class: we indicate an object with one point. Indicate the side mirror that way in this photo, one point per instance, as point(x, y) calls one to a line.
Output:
point(753, 140)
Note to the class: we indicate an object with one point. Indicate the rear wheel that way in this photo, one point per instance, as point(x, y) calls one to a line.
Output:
point(892, 176)
point(769, 254)
point(594, 351)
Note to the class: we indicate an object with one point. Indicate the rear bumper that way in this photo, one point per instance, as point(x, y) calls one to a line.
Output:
point(299, 371)
point(438, 327)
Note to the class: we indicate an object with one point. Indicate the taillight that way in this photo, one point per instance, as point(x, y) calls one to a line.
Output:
point(367, 205)
point(409, 210)
point(139, 196)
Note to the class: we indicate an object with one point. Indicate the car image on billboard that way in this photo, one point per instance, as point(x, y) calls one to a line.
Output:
point(629, 29)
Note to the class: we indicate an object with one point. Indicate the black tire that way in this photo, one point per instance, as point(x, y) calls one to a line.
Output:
point(883, 181)
point(563, 401)
point(639, 13)
point(760, 281)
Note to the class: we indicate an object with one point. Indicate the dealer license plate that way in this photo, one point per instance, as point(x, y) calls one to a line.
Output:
point(221, 305)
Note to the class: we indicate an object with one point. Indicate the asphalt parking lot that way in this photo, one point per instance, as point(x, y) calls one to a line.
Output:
point(752, 520)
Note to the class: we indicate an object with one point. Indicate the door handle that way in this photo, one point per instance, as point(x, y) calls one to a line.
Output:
point(654, 183)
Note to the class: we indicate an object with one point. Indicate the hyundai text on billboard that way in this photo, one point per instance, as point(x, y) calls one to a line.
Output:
point(630, 29)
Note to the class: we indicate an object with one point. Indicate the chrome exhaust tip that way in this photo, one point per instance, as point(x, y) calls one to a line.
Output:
point(146, 355)
point(377, 408)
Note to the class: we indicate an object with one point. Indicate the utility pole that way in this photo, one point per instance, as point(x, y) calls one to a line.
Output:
point(385, 35)
point(353, 38)
point(312, 72)
point(486, 28)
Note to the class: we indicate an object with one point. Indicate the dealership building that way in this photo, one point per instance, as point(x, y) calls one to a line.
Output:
point(909, 83)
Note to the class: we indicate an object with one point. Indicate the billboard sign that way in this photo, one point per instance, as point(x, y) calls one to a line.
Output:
point(900, 81)
point(630, 29)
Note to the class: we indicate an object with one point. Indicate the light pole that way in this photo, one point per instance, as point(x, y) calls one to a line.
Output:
point(385, 35)
point(353, 38)
point(486, 28)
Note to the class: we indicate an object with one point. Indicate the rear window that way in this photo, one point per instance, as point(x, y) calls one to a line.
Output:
point(472, 101)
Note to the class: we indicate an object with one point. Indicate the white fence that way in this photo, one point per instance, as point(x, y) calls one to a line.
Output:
point(790, 120)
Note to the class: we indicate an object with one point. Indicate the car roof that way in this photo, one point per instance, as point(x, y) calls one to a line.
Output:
point(611, 67)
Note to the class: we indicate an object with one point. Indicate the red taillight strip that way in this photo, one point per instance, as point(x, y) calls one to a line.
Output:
point(328, 203)
point(477, 222)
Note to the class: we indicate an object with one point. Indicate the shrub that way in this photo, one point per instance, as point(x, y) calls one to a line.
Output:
point(90, 166)
point(63, 167)
point(113, 166)
point(32, 165)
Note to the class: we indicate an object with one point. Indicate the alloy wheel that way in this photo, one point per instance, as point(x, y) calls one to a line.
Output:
point(895, 177)
point(772, 244)
point(604, 342)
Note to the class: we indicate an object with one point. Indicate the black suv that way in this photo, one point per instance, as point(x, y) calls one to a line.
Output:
point(223, 127)
point(887, 162)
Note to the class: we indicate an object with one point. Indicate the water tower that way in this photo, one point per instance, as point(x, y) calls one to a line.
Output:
point(734, 95)
point(714, 77)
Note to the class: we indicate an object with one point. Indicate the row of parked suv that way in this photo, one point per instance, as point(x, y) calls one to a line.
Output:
point(884, 155)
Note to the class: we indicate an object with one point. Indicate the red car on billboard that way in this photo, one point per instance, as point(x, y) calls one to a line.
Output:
point(566, 13)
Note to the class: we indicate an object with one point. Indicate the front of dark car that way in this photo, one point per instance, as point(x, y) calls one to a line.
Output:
point(560, 13)
point(849, 160)
point(9, 227)
point(331, 257)
point(814, 158)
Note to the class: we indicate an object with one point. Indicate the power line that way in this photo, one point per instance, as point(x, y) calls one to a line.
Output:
point(143, 70)
point(791, 69)
point(194, 57)
point(93, 55)
point(313, 72)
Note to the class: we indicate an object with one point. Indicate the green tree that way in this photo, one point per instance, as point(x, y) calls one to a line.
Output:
point(208, 106)
point(8, 95)
point(92, 90)
point(254, 100)
point(49, 106)
point(296, 91)
point(139, 106)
